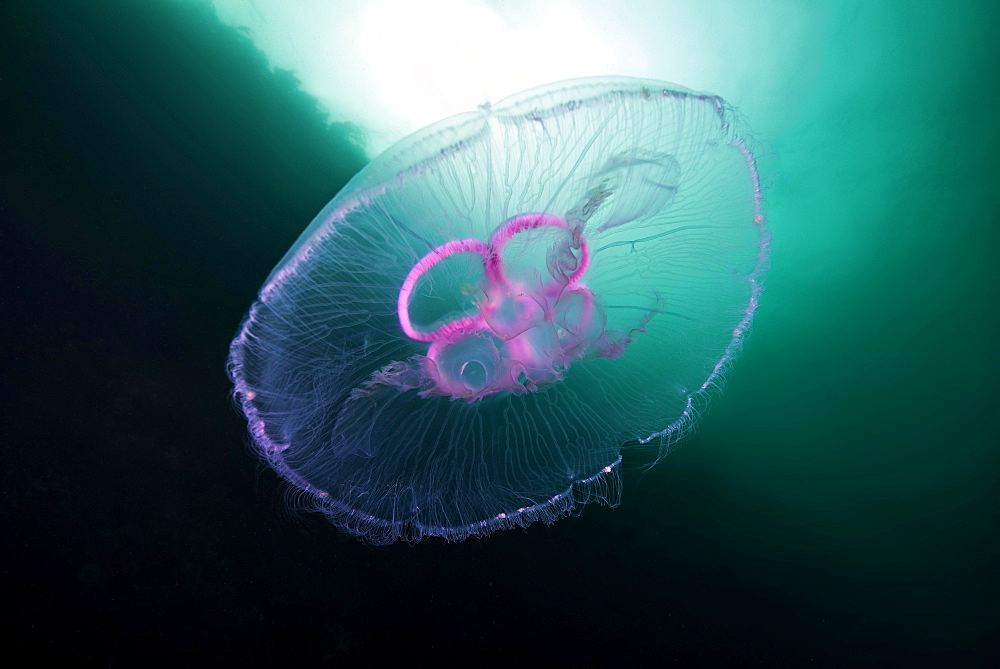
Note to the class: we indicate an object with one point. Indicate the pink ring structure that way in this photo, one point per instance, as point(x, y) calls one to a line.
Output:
point(526, 333)
point(425, 263)
point(492, 263)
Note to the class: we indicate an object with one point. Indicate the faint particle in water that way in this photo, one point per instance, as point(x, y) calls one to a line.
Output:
point(468, 335)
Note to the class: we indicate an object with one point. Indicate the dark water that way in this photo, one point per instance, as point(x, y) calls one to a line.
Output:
point(837, 507)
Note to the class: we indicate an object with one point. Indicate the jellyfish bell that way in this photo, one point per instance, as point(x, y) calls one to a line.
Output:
point(468, 335)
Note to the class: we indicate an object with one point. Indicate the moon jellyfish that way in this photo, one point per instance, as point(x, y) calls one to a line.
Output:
point(469, 334)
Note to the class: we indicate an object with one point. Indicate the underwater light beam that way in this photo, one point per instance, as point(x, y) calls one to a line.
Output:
point(393, 67)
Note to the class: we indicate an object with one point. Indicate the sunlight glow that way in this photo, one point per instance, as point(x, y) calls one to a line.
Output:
point(394, 66)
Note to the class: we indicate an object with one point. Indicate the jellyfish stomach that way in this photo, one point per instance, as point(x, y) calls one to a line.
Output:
point(528, 330)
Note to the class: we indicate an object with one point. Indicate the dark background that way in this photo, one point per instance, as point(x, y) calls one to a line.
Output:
point(838, 506)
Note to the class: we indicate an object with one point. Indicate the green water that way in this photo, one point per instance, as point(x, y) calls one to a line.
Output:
point(837, 506)
point(850, 469)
